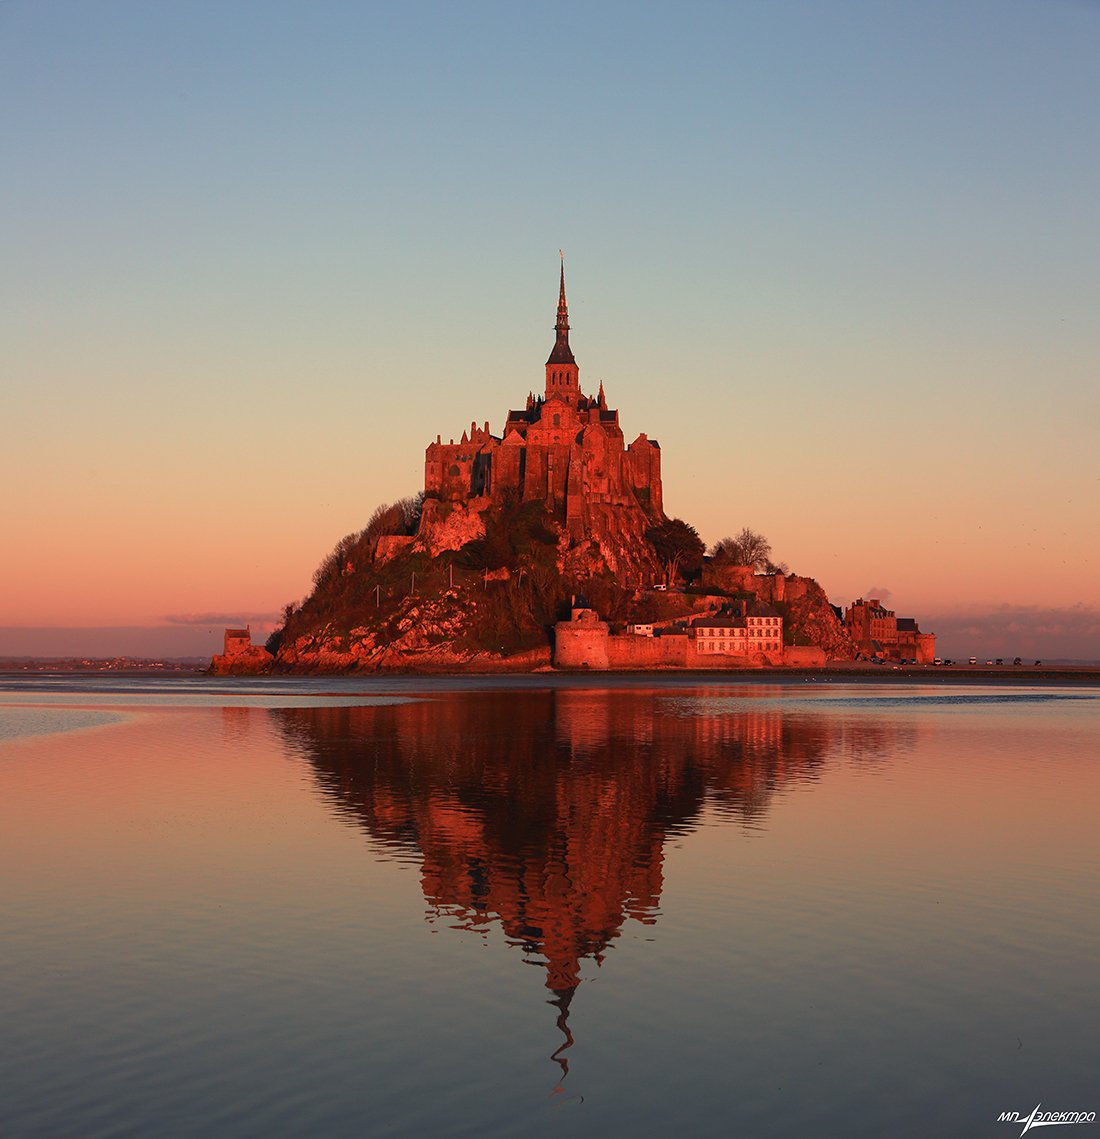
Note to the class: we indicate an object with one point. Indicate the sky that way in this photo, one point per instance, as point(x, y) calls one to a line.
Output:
point(840, 259)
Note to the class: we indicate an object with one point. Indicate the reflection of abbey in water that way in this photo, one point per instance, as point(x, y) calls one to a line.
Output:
point(547, 811)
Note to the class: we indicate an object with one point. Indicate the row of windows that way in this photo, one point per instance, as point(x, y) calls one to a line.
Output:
point(723, 646)
point(732, 632)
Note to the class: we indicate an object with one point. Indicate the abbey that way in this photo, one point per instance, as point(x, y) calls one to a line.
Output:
point(511, 527)
point(564, 448)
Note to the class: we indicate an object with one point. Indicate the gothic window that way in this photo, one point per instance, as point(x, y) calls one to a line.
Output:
point(557, 420)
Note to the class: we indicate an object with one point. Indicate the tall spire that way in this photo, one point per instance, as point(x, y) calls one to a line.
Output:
point(563, 308)
point(562, 353)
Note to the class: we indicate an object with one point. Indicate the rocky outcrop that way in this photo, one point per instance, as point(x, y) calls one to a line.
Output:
point(252, 661)
point(450, 525)
point(811, 620)
point(613, 542)
point(426, 634)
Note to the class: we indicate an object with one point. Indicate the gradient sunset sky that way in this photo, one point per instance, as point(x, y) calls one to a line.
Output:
point(841, 259)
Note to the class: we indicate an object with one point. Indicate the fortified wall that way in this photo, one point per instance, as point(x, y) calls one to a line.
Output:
point(766, 587)
point(586, 642)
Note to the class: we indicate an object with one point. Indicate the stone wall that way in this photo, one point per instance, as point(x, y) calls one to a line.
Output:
point(767, 587)
point(632, 651)
point(588, 644)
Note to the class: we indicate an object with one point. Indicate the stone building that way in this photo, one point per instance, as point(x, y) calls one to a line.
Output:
point(239, 655)
point(237, 641)
point(563, 448)
point(745, 630)
point(880, 632)
point(872, 627)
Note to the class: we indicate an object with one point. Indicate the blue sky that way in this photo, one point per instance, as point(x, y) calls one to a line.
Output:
point(841, 259)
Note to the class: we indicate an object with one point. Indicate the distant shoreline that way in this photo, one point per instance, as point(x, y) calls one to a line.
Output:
point(839, 670)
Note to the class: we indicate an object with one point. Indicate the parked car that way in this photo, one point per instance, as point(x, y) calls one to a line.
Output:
point(1000, 660)
point(938, 660)
point(1016, 660)
point(973, 660)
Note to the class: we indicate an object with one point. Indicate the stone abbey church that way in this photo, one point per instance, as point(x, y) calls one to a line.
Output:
point(564, 448)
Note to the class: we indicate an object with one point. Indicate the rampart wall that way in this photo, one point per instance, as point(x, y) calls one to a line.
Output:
point(589, 644)
point(632, 651)
point(768, 587)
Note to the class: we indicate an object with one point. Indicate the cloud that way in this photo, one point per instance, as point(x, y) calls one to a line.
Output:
point(223, 619)
point(879, 591)
point(1070, 633)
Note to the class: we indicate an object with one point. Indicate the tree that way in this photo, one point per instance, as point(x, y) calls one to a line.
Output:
point(275, 640)
point(747, 549)
point(411, 509)
point(678, 545)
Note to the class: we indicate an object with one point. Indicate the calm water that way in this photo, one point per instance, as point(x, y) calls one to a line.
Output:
point(430, 908)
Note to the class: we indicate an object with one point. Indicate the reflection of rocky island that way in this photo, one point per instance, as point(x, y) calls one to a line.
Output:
point(547, 811)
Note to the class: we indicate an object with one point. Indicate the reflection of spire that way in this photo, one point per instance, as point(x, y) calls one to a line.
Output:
point(561, 1001)
point(552, 828)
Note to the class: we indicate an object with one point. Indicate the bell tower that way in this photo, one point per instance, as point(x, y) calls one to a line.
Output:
point(562, 373)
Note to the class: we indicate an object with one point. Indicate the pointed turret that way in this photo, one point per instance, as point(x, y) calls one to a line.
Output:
point(561, 367)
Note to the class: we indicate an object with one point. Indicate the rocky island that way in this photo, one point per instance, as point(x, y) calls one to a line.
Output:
point(548, 545)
